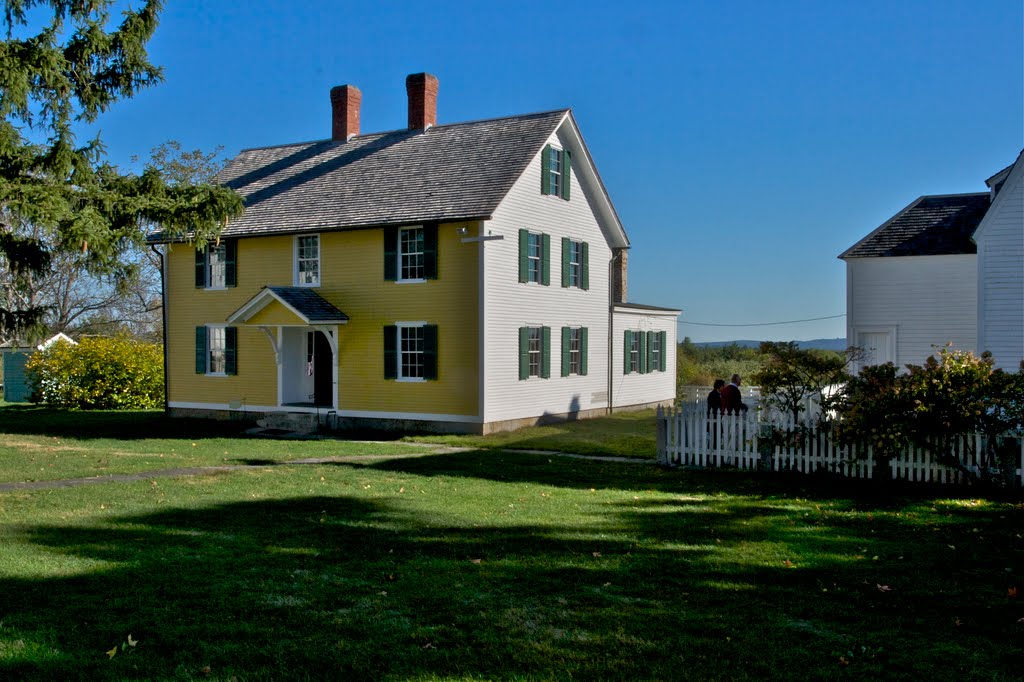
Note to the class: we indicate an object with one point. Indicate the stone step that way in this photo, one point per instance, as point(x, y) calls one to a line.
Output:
point(297, 422)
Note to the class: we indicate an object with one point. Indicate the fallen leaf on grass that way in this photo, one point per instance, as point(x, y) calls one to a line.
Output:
point(596, 555)
point(1012, 592)
point(883, 588)
point(205, 670)
point(787, 563)
point(428, 645)
point(132, 642)
point(112, 652)
point(475, 561)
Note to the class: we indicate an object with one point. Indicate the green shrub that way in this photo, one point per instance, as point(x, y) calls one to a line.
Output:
point(99, 374)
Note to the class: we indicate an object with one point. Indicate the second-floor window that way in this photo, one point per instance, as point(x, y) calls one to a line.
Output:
point(307, 261)
point(216, 265)
point(575, 268)
point(410, 253)
point(534, 257)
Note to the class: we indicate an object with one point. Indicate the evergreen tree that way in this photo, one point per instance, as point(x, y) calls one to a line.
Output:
point(65, 62)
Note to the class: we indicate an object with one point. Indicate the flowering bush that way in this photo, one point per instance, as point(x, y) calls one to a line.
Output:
point(99, 374)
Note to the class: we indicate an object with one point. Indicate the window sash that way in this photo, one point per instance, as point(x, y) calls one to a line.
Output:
point(411, 253)
point(216, 350)
point(555, 171)
point(411, 349)
point(216, 267)
point(575, 262)
point(535, 350)
point(308, 260)
point(655, 342)
point(575, 355)
point(534, 257)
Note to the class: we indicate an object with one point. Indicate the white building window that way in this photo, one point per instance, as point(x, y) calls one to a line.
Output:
point(534, 256)
point(411, 253)
point(216, 347)
point(307, 261)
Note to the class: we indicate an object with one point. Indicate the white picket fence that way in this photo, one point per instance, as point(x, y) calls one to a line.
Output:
point(688, 437)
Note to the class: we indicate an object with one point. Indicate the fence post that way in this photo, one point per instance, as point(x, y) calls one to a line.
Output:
point(662, 444)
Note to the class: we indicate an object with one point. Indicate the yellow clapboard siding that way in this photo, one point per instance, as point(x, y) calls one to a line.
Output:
point(352, 278)
point(274, 313)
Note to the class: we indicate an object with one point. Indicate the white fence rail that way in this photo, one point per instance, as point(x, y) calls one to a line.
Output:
point(687, 436)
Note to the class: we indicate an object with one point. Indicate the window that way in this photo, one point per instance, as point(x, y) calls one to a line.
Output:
point(634, 352)
point(534, 257)
point(307, 261)
point(216, 265)
point(534, 352)
point(556, 172)
point(574, 351)
point(575, 269)
point(410, 351)
point(410, 253)
point(654, 351)
point(216, 350)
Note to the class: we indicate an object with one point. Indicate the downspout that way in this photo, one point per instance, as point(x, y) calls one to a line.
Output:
point(611, 331)
point(163, 317)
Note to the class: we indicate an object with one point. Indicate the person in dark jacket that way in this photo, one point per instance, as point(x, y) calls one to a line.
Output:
point(732, 400)
point(715, 398)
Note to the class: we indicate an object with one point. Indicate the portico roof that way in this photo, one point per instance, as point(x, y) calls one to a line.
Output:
point(305, 305)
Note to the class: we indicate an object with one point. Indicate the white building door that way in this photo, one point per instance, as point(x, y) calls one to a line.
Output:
point(878, 347)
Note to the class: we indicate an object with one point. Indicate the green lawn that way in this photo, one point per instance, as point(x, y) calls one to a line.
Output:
point(626, 434)
point(491, 565)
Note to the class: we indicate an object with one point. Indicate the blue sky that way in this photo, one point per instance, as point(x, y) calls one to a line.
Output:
point(744, 144)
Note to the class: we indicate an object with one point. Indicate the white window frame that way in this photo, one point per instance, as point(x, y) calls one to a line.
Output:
point(215, 266)
point(575, 351)
point(222, 339)
point(400, 352)
point(655, 352)
point(575, 266)
point(535, 351)
point(298, 260)
point(534, 276)
point(555, 174)
point(401, 254)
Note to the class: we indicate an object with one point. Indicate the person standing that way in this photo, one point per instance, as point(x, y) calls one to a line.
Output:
point(732, 399)
point(715, 398)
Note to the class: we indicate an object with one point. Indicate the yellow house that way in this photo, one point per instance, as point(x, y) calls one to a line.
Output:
point(464, 277)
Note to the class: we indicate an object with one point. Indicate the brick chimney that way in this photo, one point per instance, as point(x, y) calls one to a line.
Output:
point(345, 100)
point(619, 276)
point(422, 90)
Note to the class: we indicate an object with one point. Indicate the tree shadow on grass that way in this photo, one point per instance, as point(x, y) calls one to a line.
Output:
point(339, 587)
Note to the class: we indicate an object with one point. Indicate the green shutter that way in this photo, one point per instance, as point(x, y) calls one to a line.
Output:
point(200, 268)
point(583, 351)
point(524, 260)
point(652, 363)
point(200, 350)
point(545, 260)
point(545, 171)
point(566, 245)
point(545, 352)
point(627, 341)
point(662, 338)
point(430, 351)
point(231, 350)
point(585, 267)
point(430, 251)
point(231, 263)
point(524, 353)
point(566, 173)
point(391, 352)
point(566, 332)
point(391, 254)
point(643, 352)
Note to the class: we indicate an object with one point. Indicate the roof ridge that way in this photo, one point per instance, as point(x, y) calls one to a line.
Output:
point(365, 136)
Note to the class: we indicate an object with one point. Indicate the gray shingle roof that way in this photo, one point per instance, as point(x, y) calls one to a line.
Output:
point(446, 173)
point(309, 304)
point(931, 226)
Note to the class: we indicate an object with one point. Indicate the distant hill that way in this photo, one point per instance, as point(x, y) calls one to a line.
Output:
point(823, 344)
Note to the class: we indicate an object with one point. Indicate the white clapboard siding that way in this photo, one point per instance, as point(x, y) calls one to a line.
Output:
point(688, 437)
point(923, 302)
point(1000, 238)
point(654, 386)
